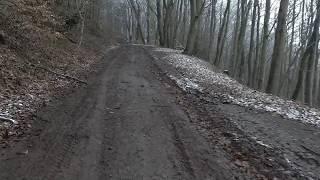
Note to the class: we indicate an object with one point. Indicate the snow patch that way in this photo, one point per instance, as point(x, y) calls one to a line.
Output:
point(112, 47)
point(15, 106)
point(198, 74)
point(167, 50)
point(186, 84)
point(263, 144)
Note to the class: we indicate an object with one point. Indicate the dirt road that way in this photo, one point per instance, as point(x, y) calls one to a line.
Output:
point(130, 122)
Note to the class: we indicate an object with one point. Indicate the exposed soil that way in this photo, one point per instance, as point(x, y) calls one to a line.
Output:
point(133, 122)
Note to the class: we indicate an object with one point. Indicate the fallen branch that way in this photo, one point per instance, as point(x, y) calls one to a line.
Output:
point(71, 40)
point(58, 74)
point(51, 71)
point(12, 121)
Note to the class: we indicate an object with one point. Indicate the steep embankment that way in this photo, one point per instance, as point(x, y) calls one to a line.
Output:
point(270, 134)
point(36, 52)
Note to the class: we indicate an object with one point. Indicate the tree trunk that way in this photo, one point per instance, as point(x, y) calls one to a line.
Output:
point(197, 7)
point(265, 37)
point(279, 48)
point(252, 43)
point(148, 21)
point(233, 60)
point(159, 23)
point(241, 59)
point(222, 34)
point(306, 68)
point(257, 55)
point(137, 12)
point(213, 23)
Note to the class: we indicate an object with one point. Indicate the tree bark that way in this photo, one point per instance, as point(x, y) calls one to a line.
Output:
point(279, 48)
point(241, 59)
point(265, 37)
point(252, 43)
point(222, 34)
point(197, 7)
point(213, 24)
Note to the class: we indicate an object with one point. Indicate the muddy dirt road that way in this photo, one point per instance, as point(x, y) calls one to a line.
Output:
point(131, 122)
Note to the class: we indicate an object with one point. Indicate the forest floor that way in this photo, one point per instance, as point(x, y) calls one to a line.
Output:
point(134, 121)
point(40, 58)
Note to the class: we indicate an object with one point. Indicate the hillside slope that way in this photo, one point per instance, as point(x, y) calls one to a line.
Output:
point(38, 60)
point(287, 132)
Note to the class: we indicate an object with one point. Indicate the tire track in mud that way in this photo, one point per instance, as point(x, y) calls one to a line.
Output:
point(62, 133)
point(127, 124)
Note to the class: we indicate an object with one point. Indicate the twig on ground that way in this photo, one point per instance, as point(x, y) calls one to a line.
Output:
point(58, 74)
point(71, 40)
point(8, 120)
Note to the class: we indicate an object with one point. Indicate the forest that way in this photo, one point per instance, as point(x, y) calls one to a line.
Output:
point(270, 46)
point(159, 89)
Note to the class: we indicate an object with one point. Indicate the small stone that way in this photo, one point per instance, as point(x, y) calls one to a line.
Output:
point(23, 153)
point(238, 163)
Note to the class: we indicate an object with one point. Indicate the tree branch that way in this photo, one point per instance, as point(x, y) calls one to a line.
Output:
point(58, 74)
point(12, 121)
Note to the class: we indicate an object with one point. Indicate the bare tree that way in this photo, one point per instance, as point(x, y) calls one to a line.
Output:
point(213, 24)
point(222, 34)
point(241, 59)
point(197, 7)
point(307, 62)
point(136, 7)
point(252, 43)
point(279, 48)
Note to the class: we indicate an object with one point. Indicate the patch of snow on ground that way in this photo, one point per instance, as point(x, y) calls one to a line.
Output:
point(197, 74)
point(112, 47)
point(15, 106)
point(167, 50)
point(186, 84)
point(263, 144)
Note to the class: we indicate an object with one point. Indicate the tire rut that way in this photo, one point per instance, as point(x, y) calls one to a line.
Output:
point(127, 124)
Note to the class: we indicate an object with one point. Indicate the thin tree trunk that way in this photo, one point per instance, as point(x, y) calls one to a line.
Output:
point(279, 48)
point(252, 45)
point(159, 23)
point(257, 55)
point(233, 60)
point(213, 24)
point(241, 59)
point(197, 7)
point(265, 37)
point(222, 35)
point(307, 63)
point(148, 21)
